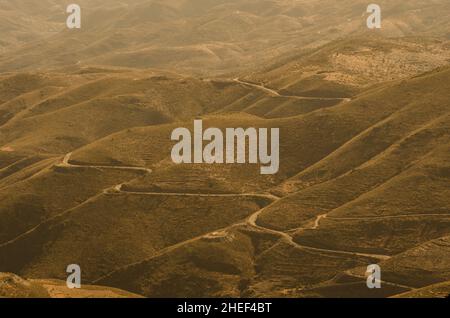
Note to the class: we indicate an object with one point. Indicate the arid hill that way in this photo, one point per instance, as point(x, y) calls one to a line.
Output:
point(330, 189)
point(13, 286)
point(197, 36)
point(86, 175)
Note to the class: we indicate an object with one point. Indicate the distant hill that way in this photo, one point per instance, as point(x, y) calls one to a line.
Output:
point(348, 66)
point(198, 36)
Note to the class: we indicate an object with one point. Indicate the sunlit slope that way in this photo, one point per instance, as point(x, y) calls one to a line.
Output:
point(13, 286)
point(380, 117)
point(407, 210)
point(386, 184)
point(398, 162)
point(441, 290)
point(424, 265)
point(40, 117)
point(421, 271)
point(374, 167)
point(348, 66)
point(251, 263)
point(421, 109)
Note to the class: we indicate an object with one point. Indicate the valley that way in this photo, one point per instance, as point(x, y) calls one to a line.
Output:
point(360, 177)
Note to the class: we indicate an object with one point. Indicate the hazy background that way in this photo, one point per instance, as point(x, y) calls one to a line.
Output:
point(197, 36)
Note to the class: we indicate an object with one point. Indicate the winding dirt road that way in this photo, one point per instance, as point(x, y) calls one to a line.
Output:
point(66, 163)
point(271, 197)
point(275, 93)
point(252, 220)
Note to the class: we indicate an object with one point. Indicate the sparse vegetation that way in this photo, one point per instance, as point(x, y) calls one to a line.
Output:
point(85, 169)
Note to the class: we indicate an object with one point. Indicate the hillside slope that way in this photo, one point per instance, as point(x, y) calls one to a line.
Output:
point(377, 170)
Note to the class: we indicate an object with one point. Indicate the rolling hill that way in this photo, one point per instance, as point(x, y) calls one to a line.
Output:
point(86, 175)
point(199, 36)
point(330, 184)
